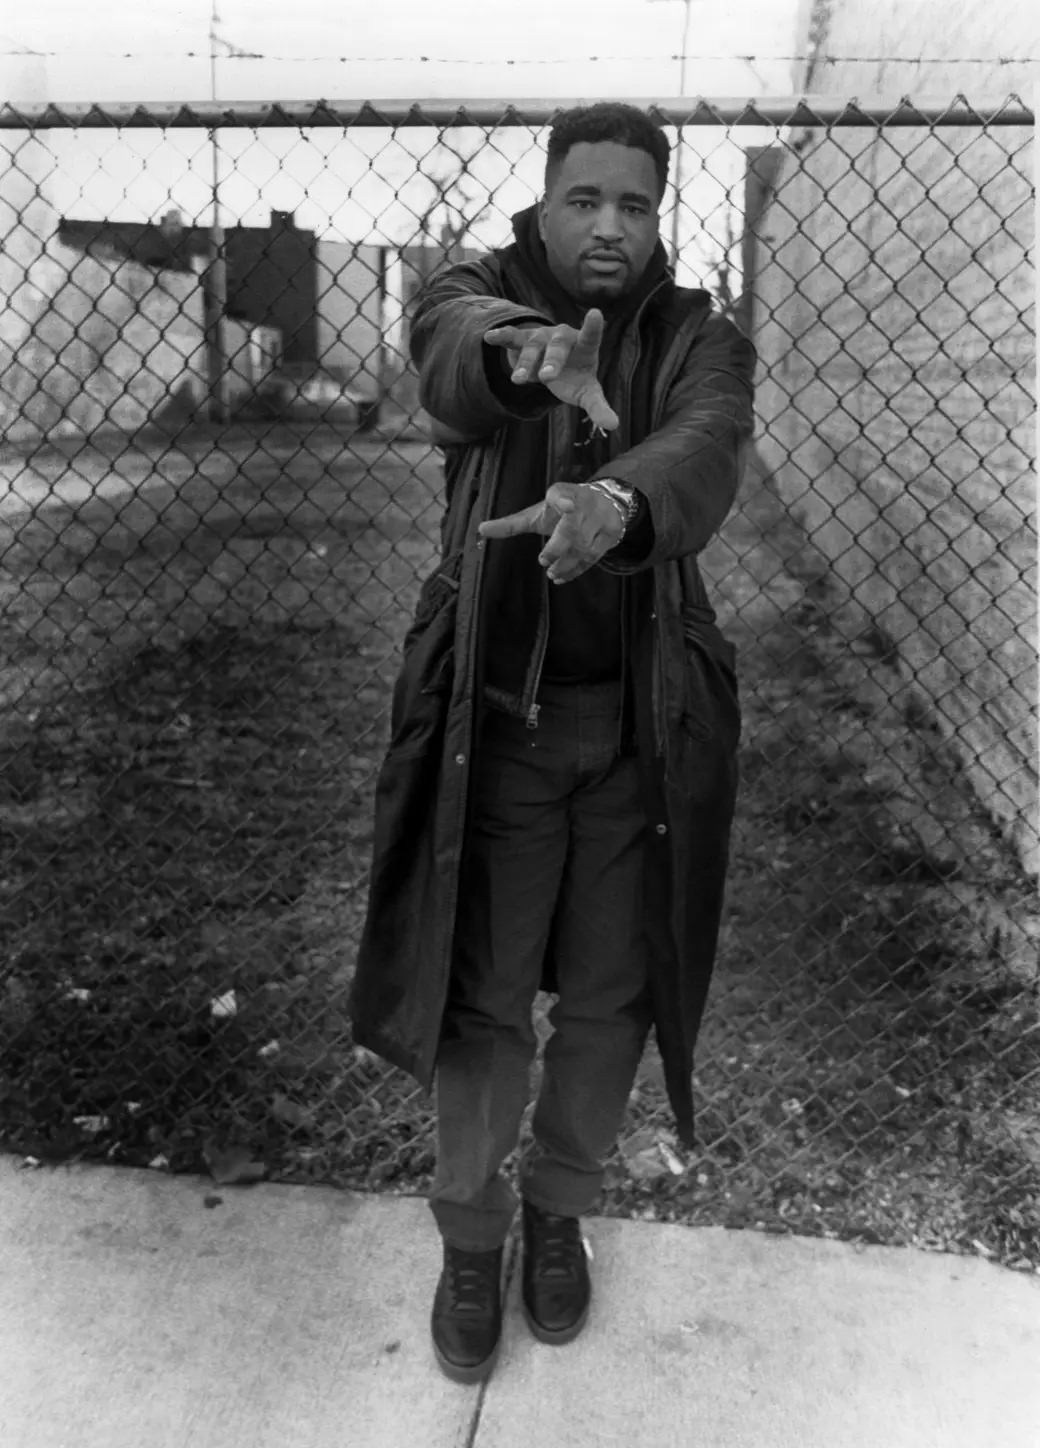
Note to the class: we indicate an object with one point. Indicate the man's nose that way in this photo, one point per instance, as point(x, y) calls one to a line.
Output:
point(608, 223)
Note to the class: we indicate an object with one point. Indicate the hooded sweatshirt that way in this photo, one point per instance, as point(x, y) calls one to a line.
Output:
point(585, 616)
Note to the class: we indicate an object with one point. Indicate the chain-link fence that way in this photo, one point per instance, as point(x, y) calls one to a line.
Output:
point(218, 501)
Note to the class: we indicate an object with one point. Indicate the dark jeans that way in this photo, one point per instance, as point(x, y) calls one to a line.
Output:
point(554, 864)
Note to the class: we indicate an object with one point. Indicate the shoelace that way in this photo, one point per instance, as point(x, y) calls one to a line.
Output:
point(471, 1285)
point(559, 1246)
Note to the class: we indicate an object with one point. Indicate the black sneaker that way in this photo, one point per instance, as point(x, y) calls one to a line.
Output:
point(556, 1287)
point(467, 1313)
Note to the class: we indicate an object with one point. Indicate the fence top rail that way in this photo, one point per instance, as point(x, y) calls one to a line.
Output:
point(805, 111)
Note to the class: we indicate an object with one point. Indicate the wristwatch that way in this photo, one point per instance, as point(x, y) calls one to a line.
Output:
point(624, 498)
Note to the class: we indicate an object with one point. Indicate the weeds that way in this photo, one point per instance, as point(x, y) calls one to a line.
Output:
point(185, 801)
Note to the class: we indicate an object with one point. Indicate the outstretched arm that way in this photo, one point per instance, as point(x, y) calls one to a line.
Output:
point(685, 473)
point(688, 469)
point(468, 343)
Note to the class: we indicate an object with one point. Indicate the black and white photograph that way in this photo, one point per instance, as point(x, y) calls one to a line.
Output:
point(519, 808)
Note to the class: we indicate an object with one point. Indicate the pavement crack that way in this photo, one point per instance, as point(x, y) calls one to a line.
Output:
point(512, 1258)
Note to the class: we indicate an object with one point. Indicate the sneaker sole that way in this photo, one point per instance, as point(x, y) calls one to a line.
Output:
point(560, 1336)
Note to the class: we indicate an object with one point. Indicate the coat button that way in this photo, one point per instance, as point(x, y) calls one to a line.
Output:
point(460, 759)
point(661, 829)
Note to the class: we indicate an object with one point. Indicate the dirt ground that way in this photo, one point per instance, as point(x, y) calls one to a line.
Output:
point(199, 638)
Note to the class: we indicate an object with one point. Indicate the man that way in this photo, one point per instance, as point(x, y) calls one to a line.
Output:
point(554, 808)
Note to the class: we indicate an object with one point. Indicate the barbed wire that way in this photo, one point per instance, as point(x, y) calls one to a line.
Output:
point(233, 52)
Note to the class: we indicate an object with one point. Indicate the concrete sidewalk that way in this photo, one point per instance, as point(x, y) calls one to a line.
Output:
point(134, 1315)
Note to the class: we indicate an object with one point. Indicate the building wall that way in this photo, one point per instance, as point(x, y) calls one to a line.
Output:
point(272, 283)
point(351, 288)
point(408, 271)
point(107, 343)
point(894, 317)
point(85, 341)
point(28, 223)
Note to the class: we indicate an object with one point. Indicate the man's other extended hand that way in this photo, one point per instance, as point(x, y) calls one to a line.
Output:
point(563, 360)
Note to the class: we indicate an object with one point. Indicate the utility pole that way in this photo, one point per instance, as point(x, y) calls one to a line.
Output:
point(686, 4)
point(214, 278)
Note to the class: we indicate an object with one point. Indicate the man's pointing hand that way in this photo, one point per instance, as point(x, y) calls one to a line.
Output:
point(579, 525)
point(563, 360)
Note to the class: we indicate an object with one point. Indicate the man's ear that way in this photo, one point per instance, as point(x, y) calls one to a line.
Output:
point(543, 203)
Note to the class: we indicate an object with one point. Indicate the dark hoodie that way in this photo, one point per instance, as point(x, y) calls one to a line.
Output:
point(585, 635)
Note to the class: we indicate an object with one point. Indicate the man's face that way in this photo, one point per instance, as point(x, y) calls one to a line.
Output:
point(599, 221)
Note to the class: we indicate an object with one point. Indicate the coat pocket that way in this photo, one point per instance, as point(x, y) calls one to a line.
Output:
point(428, 666)
point(711, 708)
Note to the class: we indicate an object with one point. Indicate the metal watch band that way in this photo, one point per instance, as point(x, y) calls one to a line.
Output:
point(622, 496)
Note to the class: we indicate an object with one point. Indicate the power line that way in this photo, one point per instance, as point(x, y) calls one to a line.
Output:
point(234, 52)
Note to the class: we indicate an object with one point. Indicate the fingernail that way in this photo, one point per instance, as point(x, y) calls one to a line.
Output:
point(547, 371)
point(520, 374)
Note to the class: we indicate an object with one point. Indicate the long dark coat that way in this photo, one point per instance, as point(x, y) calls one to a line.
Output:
point(685, 458)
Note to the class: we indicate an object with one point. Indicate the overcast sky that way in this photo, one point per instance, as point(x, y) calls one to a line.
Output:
point(344, 49)
point(159, 50)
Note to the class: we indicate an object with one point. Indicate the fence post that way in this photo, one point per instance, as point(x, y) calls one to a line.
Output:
point(214, 304)
point(762, 169)
point(214, 300)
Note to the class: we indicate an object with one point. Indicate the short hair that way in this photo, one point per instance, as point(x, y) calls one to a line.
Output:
point(608, 121)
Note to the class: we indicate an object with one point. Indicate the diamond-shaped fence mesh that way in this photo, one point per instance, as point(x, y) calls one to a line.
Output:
point(218, 502)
